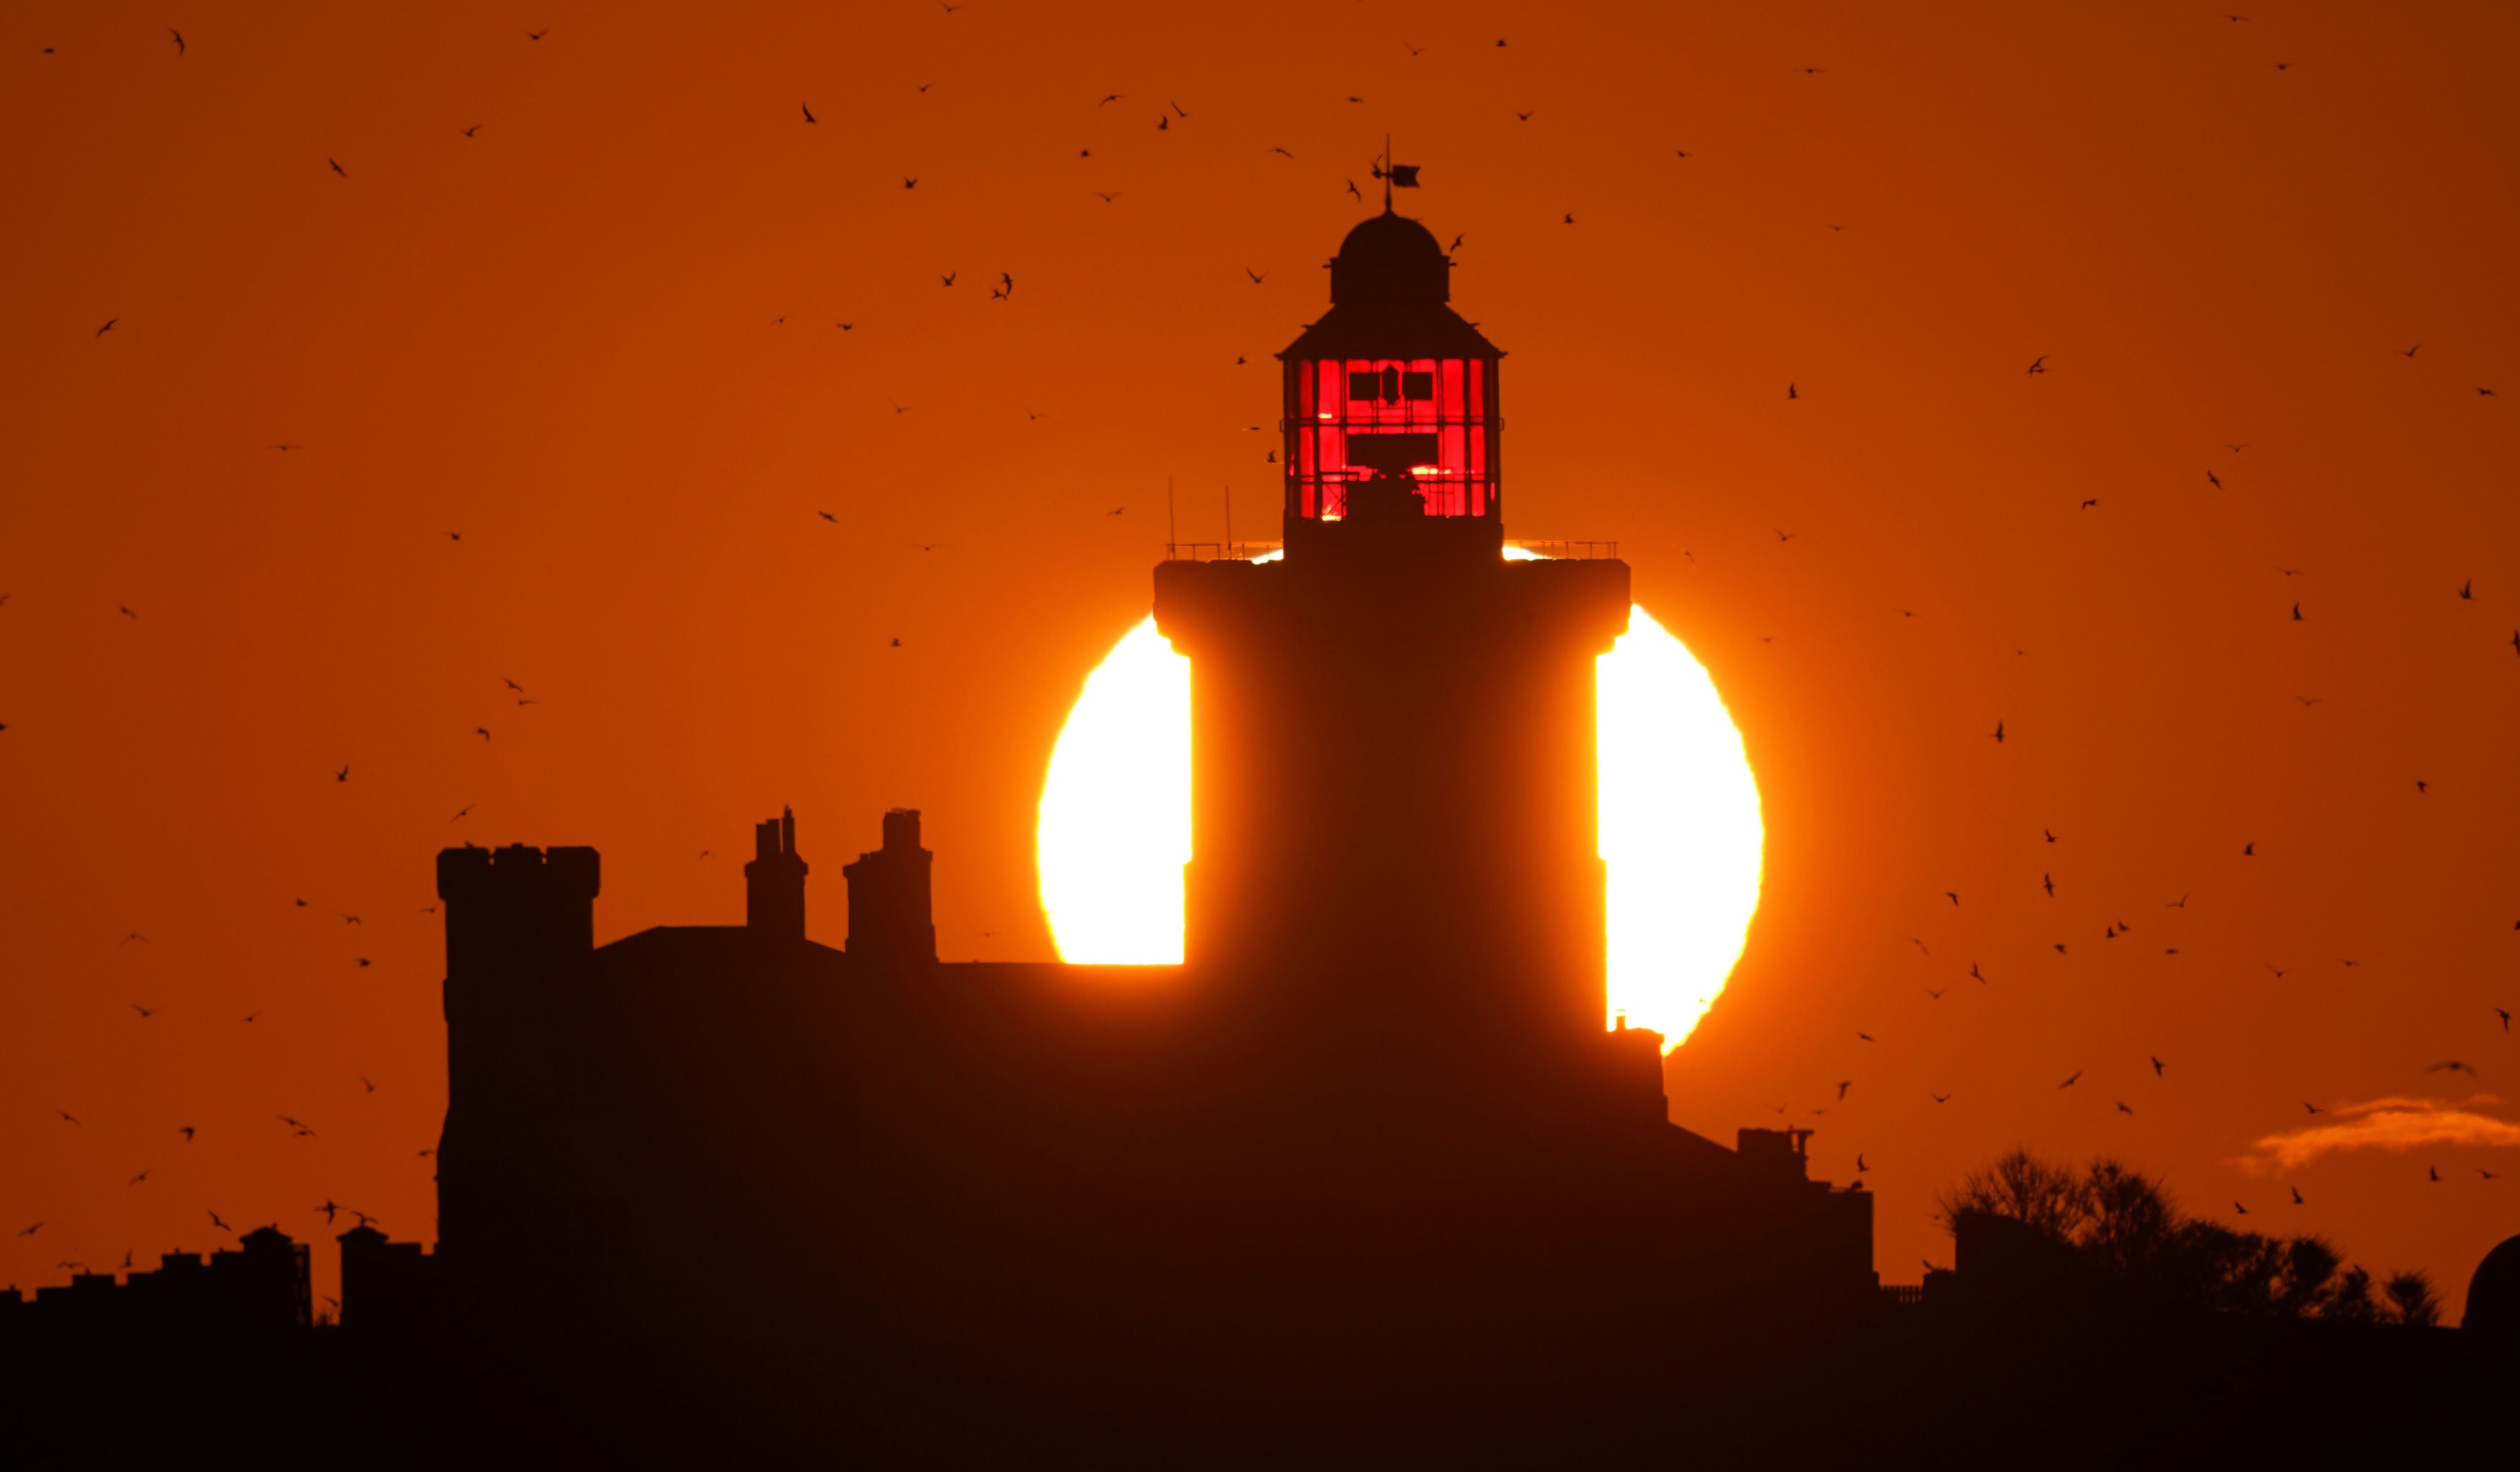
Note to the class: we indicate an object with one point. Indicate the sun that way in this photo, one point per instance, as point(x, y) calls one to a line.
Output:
point(1680, 824)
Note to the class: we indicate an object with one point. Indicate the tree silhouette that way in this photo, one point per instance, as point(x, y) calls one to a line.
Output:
point(2126, 1231)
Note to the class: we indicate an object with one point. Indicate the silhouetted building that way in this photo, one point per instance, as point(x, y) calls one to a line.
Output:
point(1379, 1118)
point(390, 1287)
point(262, 1285)
point(2494, 1292)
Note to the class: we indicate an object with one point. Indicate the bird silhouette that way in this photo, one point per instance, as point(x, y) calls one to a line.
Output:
point(1952, 895)
point(329, 1209)
point(109, 326)
point(179, 41)
point(808, 110)
point(1940, 1098)
point(2432, 1173)
point(2421, 786)
point(1352, 189)
point(896, 643)
point(337, 167)
point(1860, 1165)
point(2505, 1016)
point(2214, 480)
point(344, 774)
point(1525, 117)
point(2039, 364)
point(1844, 1085)
point(2454, 1065)
point(2312, 1108)
point(2296, 614)
point(1974, 971)
point(2296, 1195)
point(2087, 505)
point(185, 1131)
point(2071, 1082)
point(66, 1115)
point(32, 1230)
point(2237, 1207)
point(2157, 1067)
point(476, 129)
point(145, 1011)
point(1789, 388)
point(910, 181)
point(2248, 850)
point(2049, 883)
point(221, 1226)
point(536, 36)
point(2123, 1107)
point(2467, 589)
point(1256, 276)
point(142, 1175)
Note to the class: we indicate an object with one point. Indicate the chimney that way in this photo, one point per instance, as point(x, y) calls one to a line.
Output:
point(891, 917)
point(774, 882)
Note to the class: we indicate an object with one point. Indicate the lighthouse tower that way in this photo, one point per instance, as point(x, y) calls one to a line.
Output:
point(1394, 801)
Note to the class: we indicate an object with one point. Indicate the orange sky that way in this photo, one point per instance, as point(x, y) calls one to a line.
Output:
point(561, 337)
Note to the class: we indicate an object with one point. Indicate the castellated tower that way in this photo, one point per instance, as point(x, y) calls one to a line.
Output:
point(520, 944)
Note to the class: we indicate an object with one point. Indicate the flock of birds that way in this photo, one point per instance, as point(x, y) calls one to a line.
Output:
point(1003, 290)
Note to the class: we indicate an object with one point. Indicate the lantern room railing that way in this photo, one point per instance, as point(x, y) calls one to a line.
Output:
point(1221, 552)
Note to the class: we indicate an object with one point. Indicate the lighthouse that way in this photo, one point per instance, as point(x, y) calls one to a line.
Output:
point(1394, 795)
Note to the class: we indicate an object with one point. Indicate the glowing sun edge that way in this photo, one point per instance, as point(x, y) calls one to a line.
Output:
point(1680, 828)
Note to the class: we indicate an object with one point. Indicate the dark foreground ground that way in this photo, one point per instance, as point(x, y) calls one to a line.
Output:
point(1903, 1388)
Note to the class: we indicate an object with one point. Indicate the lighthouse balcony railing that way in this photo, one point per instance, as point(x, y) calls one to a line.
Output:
point(1563, 552)
point(1220, 552)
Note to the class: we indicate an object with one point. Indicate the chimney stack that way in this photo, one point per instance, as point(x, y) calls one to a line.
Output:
point(774, 882)
point(891, 916)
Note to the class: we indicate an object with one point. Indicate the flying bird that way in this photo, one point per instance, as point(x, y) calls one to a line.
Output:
point(2049, 883)
point(2296, 614)
point(329, 1208)
point(2432, 1173)
point(221, 1226)
point(2454, 1065)
point(2296, 1195)
point(2071, 1082)
point(809, 112)
point(2123, 1107)
point(185, 1131)
point(109, 326)
point(2237, 1207)
point(1256, 276)
point(2156, 1067)
point(1107, 198)
point(2312, 1108)
point(1998, 741)
point(1860, 1165)
point(2087, 505)
point(1350, 183)
point(179, 41)
point(827, 516)
point(32, 1230)
point(909, 181)
point(2467, 589)
point(1844, 1085)
point(142, 1175)
point(1941, 1099)
point(536, 36)
point(148, 1012)
point(1974, 971)
point(1952, 896)
point(1525, 117)
point(2039, 364)
point(2216, 481)
point(484, 732)
point(337, 167)
point(2506, 1015)
point(65, 1114)
point(476, 129)
point(344, 774)
point(2248, 850)
point(1789, 388)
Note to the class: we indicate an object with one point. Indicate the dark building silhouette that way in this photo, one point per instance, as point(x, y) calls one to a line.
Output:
point(1378, 1129)
point(2494, 1292)
point(260, 1286)
point(1371, 1179)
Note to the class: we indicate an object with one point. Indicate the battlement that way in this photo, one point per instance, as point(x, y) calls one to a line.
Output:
point(518, 870)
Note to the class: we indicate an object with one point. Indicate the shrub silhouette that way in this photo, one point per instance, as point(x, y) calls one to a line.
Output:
point(2124, 1230)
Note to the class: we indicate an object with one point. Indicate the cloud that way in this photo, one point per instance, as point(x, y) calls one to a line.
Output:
point(2384, 1124)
